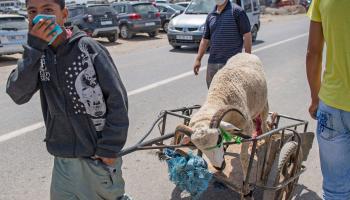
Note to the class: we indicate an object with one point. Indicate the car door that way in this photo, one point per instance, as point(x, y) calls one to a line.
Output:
point(248, 8)
point(122, 12)
point(75, 17)
point(163, 12)
point(256, 13)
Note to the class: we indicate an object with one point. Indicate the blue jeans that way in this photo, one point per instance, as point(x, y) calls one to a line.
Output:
point(333, 135)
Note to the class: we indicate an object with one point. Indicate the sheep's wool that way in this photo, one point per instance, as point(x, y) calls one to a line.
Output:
point(240, 84)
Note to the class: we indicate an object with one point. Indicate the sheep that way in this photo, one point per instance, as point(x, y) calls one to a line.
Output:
point(237, 95)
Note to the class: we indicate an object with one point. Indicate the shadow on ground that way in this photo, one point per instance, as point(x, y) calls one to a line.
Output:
point(303, 193)
point(216, 190)
point(219, 191)
point(106, 43)
point(142, 37)
point(136, 38)
point(186, 50)
point(257, 42)
point(6, 61)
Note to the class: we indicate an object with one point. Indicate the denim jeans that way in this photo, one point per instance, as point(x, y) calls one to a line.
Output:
point(212, 69)
point(333, 135)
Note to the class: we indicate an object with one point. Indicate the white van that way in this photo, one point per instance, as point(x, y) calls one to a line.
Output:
point(187, 28)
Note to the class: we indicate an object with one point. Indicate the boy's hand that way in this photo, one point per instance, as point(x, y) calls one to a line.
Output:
point(43, 29)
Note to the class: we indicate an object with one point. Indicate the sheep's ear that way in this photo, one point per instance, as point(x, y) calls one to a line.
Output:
point(229, 127)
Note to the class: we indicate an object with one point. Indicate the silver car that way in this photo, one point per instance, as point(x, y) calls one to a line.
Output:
point(187, 29)
point(13, 34)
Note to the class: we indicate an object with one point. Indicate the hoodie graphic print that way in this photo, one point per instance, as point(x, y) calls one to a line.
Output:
point(84, 89)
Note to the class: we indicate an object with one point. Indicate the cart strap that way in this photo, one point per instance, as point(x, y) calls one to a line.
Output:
point(226, 137)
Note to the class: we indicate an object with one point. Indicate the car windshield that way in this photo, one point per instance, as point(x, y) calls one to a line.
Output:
point(145, 8)
point(13, 23)
point(200, 7)
point(177, 7)
point(96, 10)
point(75, 11)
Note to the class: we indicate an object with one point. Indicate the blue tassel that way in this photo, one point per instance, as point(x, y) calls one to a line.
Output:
point(189, 173)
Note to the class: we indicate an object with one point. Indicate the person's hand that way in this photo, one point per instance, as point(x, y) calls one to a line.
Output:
point(197, 65)
point(107, 161)
point(313, 108)
point(43, 29)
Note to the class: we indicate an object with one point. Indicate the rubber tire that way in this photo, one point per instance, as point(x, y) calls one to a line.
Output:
point(165, 26)
point(254, 32)
point(286, 152)
point(113, 38)
point(176, 47)
point(153, 34)
point(125, 32)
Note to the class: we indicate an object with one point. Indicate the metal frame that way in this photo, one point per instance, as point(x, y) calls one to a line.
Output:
point(185, 113)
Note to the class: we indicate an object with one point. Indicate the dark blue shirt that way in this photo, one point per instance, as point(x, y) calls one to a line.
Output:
point(225, 32)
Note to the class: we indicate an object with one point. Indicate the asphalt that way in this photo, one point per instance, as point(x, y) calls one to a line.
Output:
point(25, 165)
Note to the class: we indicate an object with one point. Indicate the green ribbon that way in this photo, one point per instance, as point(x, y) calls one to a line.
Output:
point(226, 137)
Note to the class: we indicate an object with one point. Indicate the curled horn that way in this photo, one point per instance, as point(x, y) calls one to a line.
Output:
point(184, 129)
point(180, 131)
point(220, 114)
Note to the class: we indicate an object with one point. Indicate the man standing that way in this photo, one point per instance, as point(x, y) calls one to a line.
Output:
point(330, 105)
point(227, 29)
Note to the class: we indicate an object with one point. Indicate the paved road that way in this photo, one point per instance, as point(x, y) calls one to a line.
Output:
point(25, 166)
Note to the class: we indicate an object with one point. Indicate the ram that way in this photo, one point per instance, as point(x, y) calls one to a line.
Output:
point(238, 97)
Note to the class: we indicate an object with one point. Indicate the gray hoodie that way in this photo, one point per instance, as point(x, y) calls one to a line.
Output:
point(83, 99)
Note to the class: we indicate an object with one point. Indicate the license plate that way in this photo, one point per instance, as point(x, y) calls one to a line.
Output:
point(15, 37)
point(184, 37)
point(106, 23)
point(3, 39)
point(19, 37)
point(150, 24)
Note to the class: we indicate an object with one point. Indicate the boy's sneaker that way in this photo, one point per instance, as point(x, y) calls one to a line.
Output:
point(125, 197)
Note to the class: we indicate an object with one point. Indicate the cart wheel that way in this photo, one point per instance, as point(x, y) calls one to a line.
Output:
point(286, 165)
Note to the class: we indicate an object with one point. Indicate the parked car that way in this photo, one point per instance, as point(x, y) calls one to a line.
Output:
point(161, 1)
point(183, 4)
point(97, 20)
point(11, 10)
point(167, 12)
point(137, 17)
point(23, 12)
point(187, 29)
point(13, 34)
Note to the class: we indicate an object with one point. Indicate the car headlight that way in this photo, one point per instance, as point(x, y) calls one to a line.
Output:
point(171, 26)
point(201, 28)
